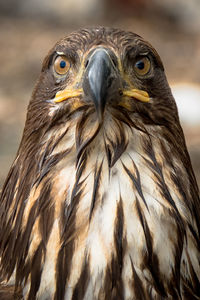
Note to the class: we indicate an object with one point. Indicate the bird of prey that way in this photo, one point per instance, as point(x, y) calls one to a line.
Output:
point(101, 201)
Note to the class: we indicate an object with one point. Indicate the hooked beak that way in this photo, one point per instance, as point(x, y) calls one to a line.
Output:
point(98, 80)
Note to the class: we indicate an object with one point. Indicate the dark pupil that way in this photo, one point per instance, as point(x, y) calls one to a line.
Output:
point(62, 64)
point(140, 65)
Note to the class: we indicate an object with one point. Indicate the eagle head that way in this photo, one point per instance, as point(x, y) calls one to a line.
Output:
point(103, 81)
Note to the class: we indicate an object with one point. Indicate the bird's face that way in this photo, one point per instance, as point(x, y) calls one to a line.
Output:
point(101, 80)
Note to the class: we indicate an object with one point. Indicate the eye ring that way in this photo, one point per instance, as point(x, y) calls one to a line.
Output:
point(61, 65)
point(142, 66)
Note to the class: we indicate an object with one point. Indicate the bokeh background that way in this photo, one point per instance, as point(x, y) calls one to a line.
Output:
point(29, 28)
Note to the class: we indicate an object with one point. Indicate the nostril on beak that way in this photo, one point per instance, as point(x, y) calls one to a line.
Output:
point(86, 63)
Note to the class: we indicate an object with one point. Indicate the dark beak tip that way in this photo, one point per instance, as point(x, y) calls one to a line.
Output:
point(98, 79)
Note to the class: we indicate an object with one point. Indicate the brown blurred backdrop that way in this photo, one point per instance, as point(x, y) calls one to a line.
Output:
point(28, 28)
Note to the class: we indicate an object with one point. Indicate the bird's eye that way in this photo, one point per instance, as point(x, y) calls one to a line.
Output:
point(61, 65)
point(142, 66)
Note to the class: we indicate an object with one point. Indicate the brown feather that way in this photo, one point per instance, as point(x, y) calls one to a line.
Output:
point(104, 209)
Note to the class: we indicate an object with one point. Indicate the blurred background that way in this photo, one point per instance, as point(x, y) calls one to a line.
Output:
point(29, 28)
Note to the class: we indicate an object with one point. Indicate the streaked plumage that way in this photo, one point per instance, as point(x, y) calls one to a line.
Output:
point(101, 201)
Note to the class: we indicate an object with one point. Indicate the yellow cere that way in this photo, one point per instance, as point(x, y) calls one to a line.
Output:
point(66, 94)
point(72, 93)
point(137, 94)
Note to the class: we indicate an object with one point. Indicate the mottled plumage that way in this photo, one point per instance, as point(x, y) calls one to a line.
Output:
point(101, 201)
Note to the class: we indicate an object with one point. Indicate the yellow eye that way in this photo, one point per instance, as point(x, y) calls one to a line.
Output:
point(142, 66)
point(61, 65)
